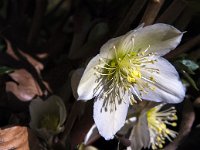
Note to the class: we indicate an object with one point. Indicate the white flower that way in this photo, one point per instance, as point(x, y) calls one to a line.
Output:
point(157, 123)
point(130, 68)
point(47, 116)
point(151, 128)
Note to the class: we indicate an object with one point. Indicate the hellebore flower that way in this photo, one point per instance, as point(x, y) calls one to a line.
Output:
point(151, 128)
point(47, 117)
point(130, 68)
point(157, 123)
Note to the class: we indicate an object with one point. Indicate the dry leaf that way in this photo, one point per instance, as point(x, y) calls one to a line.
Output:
point(35, 63)
point(15, 137)
point(10, 50)
point(25, 87)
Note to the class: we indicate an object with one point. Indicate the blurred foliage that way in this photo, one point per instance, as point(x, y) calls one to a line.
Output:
point(5, 70)
point(3, 45)
point(187, 67)
point(3, 7)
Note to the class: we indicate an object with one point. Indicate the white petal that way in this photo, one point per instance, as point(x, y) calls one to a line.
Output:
point(107, 50)
point(127, 41)
point(169, 88)
point(140, 136)
point(107, 122)
point(161, 37)
point(122, 43)
point(52, 105)
point(88, 82)
point(75, 79)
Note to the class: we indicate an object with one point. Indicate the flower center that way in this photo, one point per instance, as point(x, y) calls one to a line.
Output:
point(118, 76)
point(49, 121)
point(157, 122)
point(127, 69)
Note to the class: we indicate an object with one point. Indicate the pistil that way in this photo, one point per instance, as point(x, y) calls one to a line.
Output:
point(119, 75)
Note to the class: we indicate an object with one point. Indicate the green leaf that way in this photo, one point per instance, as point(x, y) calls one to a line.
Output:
point(189, 78)
point(5, 70)
point(187, 68)
point(185, 82)
point(186, 64)
point(190, 64)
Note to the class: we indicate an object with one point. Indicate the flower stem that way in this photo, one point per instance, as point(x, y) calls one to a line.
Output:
point(151, 11)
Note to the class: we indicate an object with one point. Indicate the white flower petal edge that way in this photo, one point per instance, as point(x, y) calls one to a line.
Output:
point(109, 122)
point(123, 41)
point(160, 38)
point(140, 136)
point(88, 82)
point(168, 87)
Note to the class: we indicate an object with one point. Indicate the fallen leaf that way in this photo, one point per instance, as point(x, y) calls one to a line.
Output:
point(35, 63)
point(10, 50)
point(15, 137)
point(25, 87)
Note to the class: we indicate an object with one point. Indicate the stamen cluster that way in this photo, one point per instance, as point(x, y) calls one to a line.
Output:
point(158, 122)
point(121, 74)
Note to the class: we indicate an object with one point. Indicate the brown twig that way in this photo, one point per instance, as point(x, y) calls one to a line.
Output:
point(188, 117)
point(184, 48)
point(78, 134)
point(172, 12)
point(74, 113)
point(37, 20)
point(130, 17)
point(152, 11)
point(126, 142)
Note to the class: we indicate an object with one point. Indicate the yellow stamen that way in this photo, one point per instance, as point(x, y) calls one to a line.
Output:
point(124, 70)
point(157, 121)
